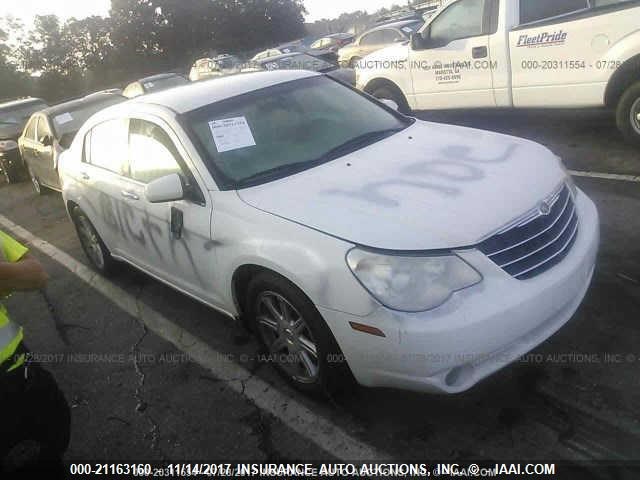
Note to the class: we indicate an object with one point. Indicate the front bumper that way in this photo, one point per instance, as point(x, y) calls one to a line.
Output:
point(479, 330)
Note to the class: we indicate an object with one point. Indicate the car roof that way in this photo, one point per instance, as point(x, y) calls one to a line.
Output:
point(160, 76)
point(78, 103)
point(193, 96)
point(275, 58)
point(21, 102)
point(394, 24)
point(339, 35)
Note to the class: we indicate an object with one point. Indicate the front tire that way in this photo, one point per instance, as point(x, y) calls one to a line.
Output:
point(39, 189)
point(94, 248)
point(294, 335)
point(628, 114)
point(388, 92)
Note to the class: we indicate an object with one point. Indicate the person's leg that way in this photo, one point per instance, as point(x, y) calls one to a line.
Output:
point(49, 416)
point(12, 415)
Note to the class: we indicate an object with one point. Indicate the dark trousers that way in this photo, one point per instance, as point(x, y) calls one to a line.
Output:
point(33, 409)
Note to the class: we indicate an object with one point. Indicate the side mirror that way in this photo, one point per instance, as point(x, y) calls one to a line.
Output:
point(390, 103)
point(165, 189)
point(47, 141)
point(418, 40)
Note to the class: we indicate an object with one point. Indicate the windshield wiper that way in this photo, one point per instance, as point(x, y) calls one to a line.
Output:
point(359, 142)
point(272, 173)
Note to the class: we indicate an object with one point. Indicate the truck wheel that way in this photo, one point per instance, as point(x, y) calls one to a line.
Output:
point(391, 93)
point(94, 248)
point(294, 335)
point(628, 114)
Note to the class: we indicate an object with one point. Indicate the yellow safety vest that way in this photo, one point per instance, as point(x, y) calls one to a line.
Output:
point(11, 335)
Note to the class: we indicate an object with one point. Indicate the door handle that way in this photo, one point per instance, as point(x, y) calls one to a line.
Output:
point(480, 52)
point(130, 195)
point(84, 176)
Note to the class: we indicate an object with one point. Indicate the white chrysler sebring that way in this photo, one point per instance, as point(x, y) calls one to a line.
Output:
point(428, 256)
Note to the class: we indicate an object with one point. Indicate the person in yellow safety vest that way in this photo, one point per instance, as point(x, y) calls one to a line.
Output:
point(32, 407)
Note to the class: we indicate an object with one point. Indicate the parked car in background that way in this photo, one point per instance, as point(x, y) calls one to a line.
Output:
point(406, 14)
point(416, 255)
point(327, 47)
point(304, 61)
point(50, 132)
point(155, 83)
point(377, 38)
point(293, 47)
point(214, 67)
point(13, 117)
point(271, 52)
point(517, 54)
point(204, 68)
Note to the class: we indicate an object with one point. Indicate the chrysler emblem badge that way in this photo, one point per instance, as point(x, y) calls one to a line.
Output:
point(544, 209)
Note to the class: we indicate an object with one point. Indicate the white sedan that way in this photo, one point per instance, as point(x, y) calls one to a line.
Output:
point(427, 256)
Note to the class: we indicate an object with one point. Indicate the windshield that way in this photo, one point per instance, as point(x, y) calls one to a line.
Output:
point(19, 115)
point(412, 27)
point(164, 83)
point(67, 123)
point(299, 62)
point(281, 130)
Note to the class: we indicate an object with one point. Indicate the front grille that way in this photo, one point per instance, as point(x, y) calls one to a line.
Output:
point(537, 242)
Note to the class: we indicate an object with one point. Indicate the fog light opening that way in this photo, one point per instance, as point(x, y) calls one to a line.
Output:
point(459, 376)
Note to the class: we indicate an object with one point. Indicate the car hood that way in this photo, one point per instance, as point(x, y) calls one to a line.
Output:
point(431, 186)
point(10, 132)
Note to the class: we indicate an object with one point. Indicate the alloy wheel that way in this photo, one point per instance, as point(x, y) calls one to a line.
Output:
point(288, 337)
point(90, 241)
point(635, 116)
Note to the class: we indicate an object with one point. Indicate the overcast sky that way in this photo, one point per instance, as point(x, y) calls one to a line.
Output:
point(26, 9)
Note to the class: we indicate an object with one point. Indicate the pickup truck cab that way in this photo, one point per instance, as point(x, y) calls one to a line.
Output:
point(517, 53)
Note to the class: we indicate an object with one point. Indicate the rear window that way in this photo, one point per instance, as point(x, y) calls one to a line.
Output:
point(20, 114)
point(534, 10)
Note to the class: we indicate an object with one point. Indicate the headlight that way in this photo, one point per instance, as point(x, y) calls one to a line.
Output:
point(6, 145)
point(411, 283)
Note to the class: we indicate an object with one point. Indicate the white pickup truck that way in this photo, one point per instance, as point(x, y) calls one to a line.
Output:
point(517, 53)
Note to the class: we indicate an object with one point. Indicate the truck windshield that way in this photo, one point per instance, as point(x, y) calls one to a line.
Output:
point(281, 130)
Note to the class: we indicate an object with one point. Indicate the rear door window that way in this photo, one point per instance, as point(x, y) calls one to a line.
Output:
point(43, 129)
point(30, 130)
point(534, 10)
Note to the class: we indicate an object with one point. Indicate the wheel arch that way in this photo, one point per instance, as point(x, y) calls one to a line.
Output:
point(242, 277)
point(625, 76)
point(379, 82)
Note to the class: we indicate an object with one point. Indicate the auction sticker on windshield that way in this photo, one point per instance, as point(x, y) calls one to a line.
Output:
point(64, 118)
point(231, 134)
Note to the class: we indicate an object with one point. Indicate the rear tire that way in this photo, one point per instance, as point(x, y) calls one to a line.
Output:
point(628, 114)
point(94, 248)
point(388, 92)
point(294, 335)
